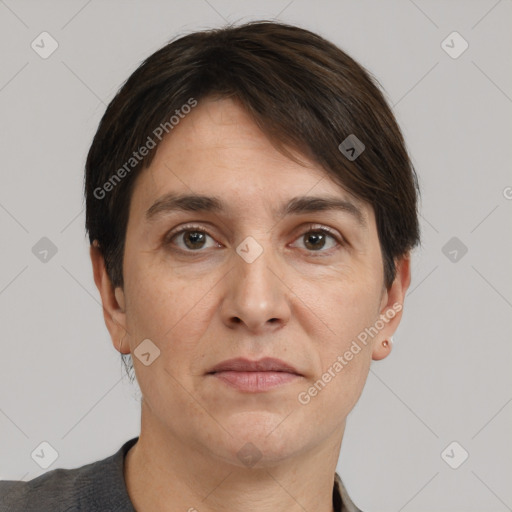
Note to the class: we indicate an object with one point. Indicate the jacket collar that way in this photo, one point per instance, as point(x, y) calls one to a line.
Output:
point(341, 499)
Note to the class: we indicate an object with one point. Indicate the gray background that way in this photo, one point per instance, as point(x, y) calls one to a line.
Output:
point(448, 377)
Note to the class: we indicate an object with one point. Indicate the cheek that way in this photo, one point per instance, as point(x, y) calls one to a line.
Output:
point(341, 309)
point(340, 313)
point(173, 311)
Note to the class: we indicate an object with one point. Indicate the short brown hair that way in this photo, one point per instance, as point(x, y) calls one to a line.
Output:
point(301, 90)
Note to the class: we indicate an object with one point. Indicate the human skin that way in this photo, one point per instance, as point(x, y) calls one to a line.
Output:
point(302, 305)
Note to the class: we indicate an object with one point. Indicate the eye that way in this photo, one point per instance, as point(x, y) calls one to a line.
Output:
point(193, 238)
point(316, 236)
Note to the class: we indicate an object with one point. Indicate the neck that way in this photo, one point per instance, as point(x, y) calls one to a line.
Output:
point(166, 474)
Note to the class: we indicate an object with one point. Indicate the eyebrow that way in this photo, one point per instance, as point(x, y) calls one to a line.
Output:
point(172, 202)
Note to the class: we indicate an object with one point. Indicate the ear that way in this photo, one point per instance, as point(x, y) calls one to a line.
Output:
point(113, 301)
point(391, 307)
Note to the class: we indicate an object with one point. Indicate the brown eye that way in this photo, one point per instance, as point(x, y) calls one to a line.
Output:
point(194, 239)
point(316, 239)
point(191, 238)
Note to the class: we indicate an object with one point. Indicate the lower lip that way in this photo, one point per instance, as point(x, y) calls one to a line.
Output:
point(255, 382)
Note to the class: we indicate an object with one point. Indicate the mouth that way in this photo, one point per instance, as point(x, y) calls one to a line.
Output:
point(254, 376)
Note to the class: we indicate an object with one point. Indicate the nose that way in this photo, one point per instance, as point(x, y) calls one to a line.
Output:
point(256, 297)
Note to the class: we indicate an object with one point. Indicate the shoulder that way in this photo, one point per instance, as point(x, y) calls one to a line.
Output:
point(54, 490)
point(95, 486)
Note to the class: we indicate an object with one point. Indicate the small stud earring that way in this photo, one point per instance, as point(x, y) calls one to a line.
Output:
point(385, 343)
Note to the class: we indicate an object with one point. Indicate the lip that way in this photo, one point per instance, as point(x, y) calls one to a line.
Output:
point(267, 364)
point(254, 376)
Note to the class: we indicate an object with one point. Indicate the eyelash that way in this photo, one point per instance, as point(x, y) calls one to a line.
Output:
point(311, 228)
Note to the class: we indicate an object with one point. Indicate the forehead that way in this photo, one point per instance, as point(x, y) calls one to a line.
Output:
point(218, 151)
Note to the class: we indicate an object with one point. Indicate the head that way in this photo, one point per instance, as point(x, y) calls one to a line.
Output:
point(227, 219)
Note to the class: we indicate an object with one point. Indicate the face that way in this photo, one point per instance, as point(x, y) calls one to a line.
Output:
point(248, 280)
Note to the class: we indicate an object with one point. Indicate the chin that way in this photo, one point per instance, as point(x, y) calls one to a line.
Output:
point(261, 439)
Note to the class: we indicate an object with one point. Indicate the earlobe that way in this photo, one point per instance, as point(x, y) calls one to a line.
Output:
point(392, 306)
point(382, 350)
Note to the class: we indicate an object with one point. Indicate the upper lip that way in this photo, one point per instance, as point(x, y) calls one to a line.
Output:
point(267, 364)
